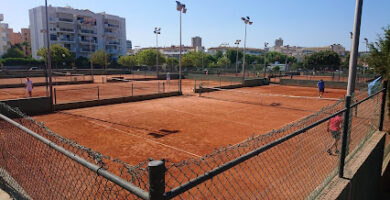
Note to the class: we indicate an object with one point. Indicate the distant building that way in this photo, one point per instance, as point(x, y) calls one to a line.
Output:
point(14, 38)
point(80, 31)
point(279, 42)
point(224, 49)
point(172, 51)
point(5, 43)
point(129, 45)
point(26, 38)
point(196, 42)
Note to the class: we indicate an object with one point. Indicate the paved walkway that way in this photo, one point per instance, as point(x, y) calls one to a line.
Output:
point(4, 195)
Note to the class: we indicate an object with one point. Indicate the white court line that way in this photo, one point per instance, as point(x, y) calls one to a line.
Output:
point(297, 120)
point(5, 92)
point(162, 144)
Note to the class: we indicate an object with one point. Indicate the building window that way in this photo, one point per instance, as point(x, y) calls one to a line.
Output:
point(53, 37)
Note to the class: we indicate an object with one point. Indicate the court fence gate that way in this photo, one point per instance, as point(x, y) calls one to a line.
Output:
point(292, 162)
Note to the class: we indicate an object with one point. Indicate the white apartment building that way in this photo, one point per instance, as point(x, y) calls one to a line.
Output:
point(80, 31)
point(4, 39)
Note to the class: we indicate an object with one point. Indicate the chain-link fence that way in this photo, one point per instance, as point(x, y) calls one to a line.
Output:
point(294, 162)
point(48, 166)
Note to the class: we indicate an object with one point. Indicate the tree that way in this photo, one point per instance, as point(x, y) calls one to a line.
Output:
point(195, 59)
point(14, 52)
point(128, 61)
point(59, 55)
point(323, 60)
point(100, 57)
point(379, 58)
point(148, 57)
point(274, 56)
point(223, 61)
point(232, 55)
point(171, 62)
point(82, 62)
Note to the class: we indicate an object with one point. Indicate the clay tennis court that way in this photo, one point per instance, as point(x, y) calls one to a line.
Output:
point(85, 92)
point(182, 127)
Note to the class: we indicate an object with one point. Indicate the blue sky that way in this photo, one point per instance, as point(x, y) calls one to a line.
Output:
point(298, 22)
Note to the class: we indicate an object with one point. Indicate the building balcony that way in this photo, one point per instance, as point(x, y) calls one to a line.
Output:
point(111, 34)
point(87, 32)
point(87, 50)
point(66, 20)
point(66, 39)
point(112, 43)
point(87, 41)
point(111, 26)
point(66, 30)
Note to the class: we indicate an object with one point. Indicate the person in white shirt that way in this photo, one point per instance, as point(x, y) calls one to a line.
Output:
point(168, 77)
point(29, 86)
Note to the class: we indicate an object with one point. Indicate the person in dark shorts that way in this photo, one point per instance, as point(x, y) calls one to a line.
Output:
point(334, 127)
point(321, 87)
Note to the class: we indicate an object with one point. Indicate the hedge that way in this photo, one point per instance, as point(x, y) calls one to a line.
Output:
point(21, 61)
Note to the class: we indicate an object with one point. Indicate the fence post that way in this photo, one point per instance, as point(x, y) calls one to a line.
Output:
point(55, 96)
point(344, 136)
point(98, 92)
point(156, 170)
point(383, 106)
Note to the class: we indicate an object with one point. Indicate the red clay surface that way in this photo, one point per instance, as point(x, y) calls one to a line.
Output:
point(197, 125)
point(84, 92)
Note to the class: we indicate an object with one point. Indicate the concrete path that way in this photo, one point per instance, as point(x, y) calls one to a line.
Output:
point(4, 195)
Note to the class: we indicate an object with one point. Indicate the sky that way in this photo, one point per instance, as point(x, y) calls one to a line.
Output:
point(307, 23)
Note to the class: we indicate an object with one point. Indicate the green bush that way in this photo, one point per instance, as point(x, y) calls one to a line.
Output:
point(21, 61)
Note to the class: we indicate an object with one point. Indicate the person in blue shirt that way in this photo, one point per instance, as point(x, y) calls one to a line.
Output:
point(321, 87)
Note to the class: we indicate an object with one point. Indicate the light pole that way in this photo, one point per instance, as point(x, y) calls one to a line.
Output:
point(182, 9)
point(49, 71)
point(246, 21)
point(364, 68)
point(265, 57)
point(157, 31)
point(237, 43)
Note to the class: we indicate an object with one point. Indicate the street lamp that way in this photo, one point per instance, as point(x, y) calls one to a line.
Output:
point(157, 31)
point(182, 9)
point(237, 43)
point(265, 57)
point(49, 71)
point(246, 21)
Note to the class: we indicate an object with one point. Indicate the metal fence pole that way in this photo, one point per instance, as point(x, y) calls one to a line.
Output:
point(344, 136)
point(55, 96)
point(98, 92)
point(383, 105)
point(156, 170)
point(132, 89)
point(158, 87)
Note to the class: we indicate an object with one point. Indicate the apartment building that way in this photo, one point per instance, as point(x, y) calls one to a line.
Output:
point(224, 49)
point(4, 39)
point(26, 38)
point(14, 37)
point(80, 31)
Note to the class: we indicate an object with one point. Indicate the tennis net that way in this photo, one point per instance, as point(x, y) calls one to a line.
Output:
point(242, 95)
point(66, 76)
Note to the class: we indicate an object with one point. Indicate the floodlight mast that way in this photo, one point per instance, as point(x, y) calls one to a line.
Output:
point(246, 21)
point(182, 9)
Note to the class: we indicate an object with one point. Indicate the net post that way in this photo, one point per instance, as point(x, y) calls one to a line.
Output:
point(98, 92)
point(356, 108)
point(156, 169)
point(344, 136)
point(55, 96)
point(158, 87)
point(163, 87)
point(220, 81)
point(132, 89)
point(383, 105)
